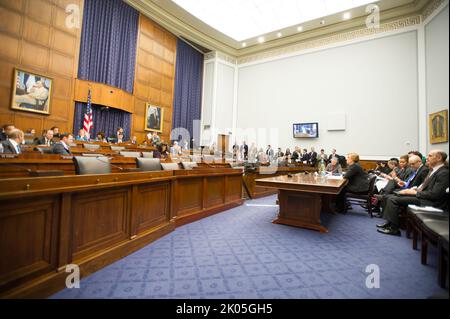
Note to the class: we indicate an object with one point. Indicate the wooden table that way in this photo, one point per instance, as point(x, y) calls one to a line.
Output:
point(302, 198)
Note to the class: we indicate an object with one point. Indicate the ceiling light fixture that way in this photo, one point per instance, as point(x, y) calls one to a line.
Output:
point(300, 28)
point(244, 44)
point(279, 34)
point(261, 39)
point(347, 16)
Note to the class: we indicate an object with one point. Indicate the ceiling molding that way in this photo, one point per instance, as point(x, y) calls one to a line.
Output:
point(184, 25)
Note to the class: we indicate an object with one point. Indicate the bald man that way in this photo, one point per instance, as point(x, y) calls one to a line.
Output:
point(431, 192)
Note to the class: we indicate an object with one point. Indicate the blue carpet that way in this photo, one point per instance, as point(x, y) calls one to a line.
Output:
point(241, 254)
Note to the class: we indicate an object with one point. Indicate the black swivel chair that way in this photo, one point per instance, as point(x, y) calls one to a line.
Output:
point(91, 165)
point(364, 199)
point(148, 164)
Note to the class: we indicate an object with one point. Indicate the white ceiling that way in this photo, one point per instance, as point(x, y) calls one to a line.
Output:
point(245, 19)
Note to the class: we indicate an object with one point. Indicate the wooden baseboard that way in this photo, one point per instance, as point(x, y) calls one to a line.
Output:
point(49, 284)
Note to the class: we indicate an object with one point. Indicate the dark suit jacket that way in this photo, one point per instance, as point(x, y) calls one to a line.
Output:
point(305, 157)
point(3, 136)
point(312, 157)
point(358, 180)
point(58, 148)
point(8, 147)
point(420, 176)
point(41, 141)
point(434, 193)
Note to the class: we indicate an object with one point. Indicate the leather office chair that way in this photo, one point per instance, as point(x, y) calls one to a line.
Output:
point(91, 165)
point(43, 150)
point(147, 154)
point(359, 198)
point(130, 154)
point(148, 164)
point(91, 147)
point(117, 148)
point(189, 165)
point(169, 166)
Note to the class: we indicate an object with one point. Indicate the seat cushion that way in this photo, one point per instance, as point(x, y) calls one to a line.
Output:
point(440, 227)
point(147, 154)
point(169, 166)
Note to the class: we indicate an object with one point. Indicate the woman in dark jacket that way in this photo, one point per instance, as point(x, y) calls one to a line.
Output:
point(357, 181)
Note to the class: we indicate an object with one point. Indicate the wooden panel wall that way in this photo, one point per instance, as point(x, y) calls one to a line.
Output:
point(34, 37)
point(155, 74)
point(93, 220)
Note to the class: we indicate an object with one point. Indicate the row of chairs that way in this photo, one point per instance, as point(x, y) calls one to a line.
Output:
point(432, 227)
point(102, 165)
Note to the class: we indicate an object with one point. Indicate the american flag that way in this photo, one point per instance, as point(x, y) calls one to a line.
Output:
point(88, 124)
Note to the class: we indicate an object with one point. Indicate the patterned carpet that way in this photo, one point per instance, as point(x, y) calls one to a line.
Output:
point(241, 254)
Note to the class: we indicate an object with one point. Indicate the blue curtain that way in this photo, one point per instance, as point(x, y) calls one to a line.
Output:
point(108, 43)
point(188, 88)
point(106, 120)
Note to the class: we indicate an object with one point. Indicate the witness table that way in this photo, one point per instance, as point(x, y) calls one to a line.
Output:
point(302, 198)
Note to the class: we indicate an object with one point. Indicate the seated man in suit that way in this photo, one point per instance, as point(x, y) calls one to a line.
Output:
point(432, 192)
point(357, 178)
point(7, 128)
point(415, 179)
point(45, 139)
point(55, 130)
point(15, 139)
point(62, 147)
point(396, 176)
point(334, 167)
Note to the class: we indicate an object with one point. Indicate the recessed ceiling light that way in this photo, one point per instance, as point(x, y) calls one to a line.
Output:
point(244, 44)
point(279, 34)
point(347, 16)
point(300, 28)
point(261, 39)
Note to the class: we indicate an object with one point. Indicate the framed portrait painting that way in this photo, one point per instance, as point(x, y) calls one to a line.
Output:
point(153, 118)
point(438, 124)
point(31, 92)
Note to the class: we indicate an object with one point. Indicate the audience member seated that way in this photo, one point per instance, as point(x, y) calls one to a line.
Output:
point(62, 147)
point(101, 137)
point(134, 140)
point(334, 167)
point(358, 182)
point(7, 128)
point(155, 139)
point(175, 150)
point(161, 151)
point(383, 168)
point(432, 192)
point(418, 175)
point(424, 159)
point(82, 136)
point(120, 131)
point(56, 133)
point(120, 138)
point(45, 139)
point(12, 144)
point(396, 176)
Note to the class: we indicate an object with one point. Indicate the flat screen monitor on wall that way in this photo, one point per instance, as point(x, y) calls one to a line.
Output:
point(309, 130)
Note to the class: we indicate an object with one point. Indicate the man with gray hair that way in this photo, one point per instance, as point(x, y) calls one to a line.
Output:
point(15, 139)
point(431, 192)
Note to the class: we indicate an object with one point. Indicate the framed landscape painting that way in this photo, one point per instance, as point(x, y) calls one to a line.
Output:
point(153, 118)
point(31, 92)
point(438, 125)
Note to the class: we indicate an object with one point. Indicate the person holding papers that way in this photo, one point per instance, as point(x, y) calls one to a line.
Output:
point(431, 192)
